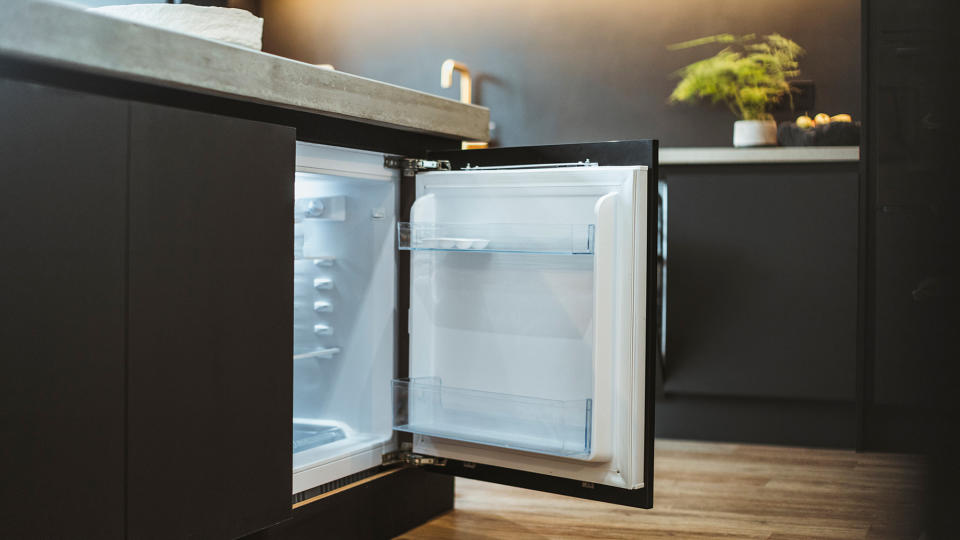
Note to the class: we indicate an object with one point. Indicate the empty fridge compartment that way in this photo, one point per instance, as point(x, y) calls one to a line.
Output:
point(569, 239)
point(344, 309)
point(546, 426)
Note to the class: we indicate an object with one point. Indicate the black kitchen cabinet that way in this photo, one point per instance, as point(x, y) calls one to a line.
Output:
point(209, 375)
point(762, 277)
point(909, 219)
point(908, 373)
point(761, 318)
point(146, 287)
point(63, 161)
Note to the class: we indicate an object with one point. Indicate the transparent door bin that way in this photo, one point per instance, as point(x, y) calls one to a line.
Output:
point(497, 237)
point(545, 426)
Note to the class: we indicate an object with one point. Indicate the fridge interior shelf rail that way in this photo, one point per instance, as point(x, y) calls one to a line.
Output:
point(328, 352)
point(546, 426)
point(560, 239)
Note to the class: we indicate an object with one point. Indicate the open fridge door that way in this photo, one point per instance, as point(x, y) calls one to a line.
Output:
point(530, 311)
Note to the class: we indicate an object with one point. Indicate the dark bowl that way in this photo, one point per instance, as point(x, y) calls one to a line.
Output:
point(832, 134)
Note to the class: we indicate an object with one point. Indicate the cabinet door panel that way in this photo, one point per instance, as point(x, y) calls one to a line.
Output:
point(211, 273)
point(762, 281)
point(62, 236)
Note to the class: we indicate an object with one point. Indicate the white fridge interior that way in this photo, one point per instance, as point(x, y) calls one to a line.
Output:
point(344, 313)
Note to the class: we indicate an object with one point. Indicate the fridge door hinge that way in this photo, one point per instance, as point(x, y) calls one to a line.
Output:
point(411, 166)
point(409, 458)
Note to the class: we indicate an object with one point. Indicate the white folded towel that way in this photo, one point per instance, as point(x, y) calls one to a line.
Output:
point(236, 26)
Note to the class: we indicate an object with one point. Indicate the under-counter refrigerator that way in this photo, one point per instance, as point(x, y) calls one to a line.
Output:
point(483, 313)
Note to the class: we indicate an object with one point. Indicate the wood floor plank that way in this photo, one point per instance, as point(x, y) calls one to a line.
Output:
point(712, 490)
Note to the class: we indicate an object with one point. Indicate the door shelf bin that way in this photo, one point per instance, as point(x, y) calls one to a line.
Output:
point(561, 428)
point(497, 237)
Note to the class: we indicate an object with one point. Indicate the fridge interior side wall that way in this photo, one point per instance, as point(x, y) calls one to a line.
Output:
point(345, 292)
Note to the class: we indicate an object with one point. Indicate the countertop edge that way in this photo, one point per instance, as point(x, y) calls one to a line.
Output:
point(70, 37)
point(782, 154)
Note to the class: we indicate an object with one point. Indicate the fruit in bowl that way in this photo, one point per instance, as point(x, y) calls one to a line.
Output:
point(821, 119)
point(821, 130)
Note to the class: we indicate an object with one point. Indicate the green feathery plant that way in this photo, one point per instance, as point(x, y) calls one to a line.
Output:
point(748, 76)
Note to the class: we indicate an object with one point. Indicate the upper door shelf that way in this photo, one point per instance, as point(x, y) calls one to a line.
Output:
point(561, 239)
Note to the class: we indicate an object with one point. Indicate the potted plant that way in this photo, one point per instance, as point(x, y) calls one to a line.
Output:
point(749, 76)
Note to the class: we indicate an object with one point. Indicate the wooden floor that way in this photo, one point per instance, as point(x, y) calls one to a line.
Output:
point(712, 490)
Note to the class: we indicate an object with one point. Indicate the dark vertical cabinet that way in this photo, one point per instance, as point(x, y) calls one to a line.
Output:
point(910, 221)
point(146, 285)
point(63, 163)
point(909, 369)
point(904, 218)
point(210, 324)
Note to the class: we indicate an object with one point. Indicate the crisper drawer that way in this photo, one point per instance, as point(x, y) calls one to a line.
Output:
point(427, 407)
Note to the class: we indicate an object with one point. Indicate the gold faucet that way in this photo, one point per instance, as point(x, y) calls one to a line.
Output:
point(446, 78)
point(466, 90)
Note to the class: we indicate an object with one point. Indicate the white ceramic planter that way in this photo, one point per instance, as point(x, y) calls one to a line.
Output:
point(754, 133)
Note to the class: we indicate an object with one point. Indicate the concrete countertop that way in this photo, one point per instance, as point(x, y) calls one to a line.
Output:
point(780, 154)
point(64, 35)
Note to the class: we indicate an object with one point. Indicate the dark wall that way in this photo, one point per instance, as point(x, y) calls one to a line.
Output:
point(556, 71)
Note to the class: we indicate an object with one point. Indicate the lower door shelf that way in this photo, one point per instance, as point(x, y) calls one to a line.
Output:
point(545, 426)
